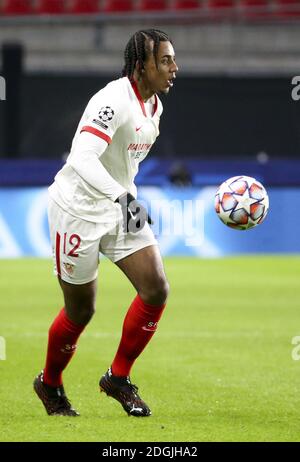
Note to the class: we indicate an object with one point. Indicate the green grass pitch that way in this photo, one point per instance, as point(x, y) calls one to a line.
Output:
point(220, 367)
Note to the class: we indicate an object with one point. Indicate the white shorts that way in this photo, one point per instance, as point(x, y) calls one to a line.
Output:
point(76, 244)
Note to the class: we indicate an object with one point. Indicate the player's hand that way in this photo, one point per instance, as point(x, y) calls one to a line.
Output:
point(134, 214)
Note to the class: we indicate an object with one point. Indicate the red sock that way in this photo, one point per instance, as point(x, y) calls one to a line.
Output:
point(63, 335)
point(139, 326)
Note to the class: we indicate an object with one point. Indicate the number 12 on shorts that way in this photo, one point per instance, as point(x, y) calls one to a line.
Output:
point(74, 242)
point(70, 245)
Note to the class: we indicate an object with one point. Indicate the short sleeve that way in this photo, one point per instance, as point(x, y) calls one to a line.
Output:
point(105, 113)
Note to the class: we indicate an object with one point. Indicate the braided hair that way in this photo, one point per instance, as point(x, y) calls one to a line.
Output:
point(137, 49)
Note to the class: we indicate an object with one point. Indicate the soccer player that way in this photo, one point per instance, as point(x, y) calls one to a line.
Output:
point(93, 208)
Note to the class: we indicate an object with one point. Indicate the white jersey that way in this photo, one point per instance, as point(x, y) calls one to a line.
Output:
point(116, 114)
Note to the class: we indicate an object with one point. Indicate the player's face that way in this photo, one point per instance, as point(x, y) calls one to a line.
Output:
point(159, 78)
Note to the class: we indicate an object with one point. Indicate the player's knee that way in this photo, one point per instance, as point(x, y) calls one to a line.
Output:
point(82, 314)
point(156, 293)
point(88, 312)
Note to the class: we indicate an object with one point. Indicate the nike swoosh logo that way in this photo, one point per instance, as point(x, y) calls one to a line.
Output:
point(138, 128)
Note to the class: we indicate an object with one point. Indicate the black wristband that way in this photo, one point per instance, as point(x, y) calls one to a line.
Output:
point(125, 199)
point(134, 214)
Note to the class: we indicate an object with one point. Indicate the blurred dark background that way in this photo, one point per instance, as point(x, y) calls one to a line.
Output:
point(203, 116)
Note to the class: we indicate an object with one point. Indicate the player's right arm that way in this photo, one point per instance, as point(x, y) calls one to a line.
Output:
point(104, 114)
point(85, 160)
point(87, 150)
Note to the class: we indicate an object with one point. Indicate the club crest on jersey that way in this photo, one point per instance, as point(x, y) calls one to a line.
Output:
point(69, 268)
point(106, 113)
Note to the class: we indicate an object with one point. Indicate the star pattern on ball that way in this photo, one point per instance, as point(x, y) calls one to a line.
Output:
point(226, 215)
point(244, 201)
point(241, 202)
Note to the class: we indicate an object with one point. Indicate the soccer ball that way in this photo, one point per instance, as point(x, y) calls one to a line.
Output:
point(241, 202)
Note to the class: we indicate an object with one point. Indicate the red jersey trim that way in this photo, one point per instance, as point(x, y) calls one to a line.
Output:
point(138, 95)
point(155, 105)
point(96, 132)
